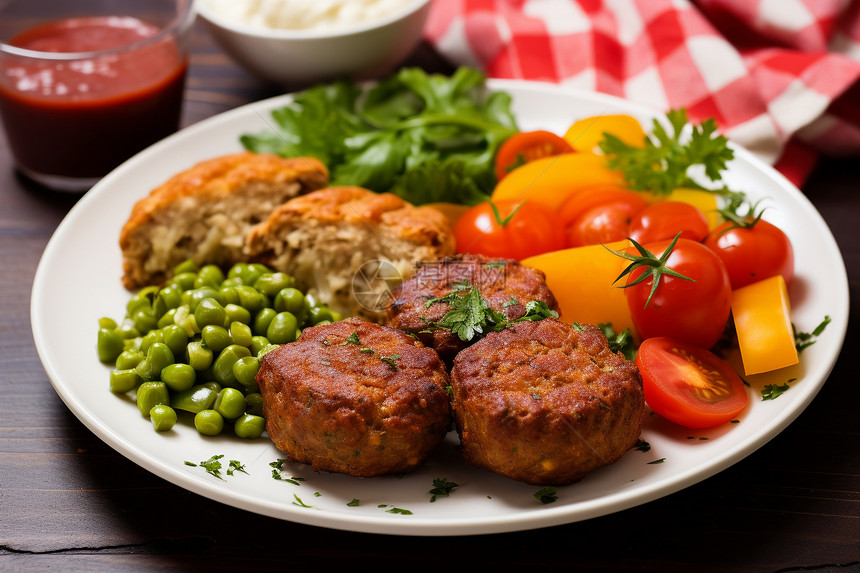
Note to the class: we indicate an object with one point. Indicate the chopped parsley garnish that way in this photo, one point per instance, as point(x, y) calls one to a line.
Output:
point(298, 501)
point(619, 341)
point(212, 466)
point(441, 487)
point(236, 466)
point(546, 495)
point(664, 162)
point(804, 340)
point(353, 503)
point(660, 461)
point(398, 510)
point(470, 316)
point(773, 391)
point(352, 339)
point(390, 360)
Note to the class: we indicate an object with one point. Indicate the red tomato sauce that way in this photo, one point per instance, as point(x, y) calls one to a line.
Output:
point(83, 117)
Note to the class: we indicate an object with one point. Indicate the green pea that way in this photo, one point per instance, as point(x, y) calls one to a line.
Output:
point(184, 281)
point(254, 403)
point(175, 338)
point(209, 311)
point(168, 297)
point(217, 338)
point(245, 372)
point(198, 355)
point(282, 328)
point(258, 343)
point(249, 426)
point(186, 266)
point(163, 417)
point(151, 394)
point(237, 313)
point(231, 282)
point(195, 399)
point(158, 356)
point(179, 377)
point(237, 271)
point(107, 322)
point(122, 381)
point(209, 275)
point(185, 319)
point(230, 403)
point(240, 334)
point(209, 422)
point(271, 283)
point(291, 300)
point(167, 318)
point(131, 343)
point(193, 297)
point(250, 298)
point(129, 359)
point(108, 345)
point(229, 294)
point(151, 338)
point(318, 314)
point(127, 329)
point(222, 368)
point(144, 319)
point(266, 350)
point(262, 321)
point(140, 300)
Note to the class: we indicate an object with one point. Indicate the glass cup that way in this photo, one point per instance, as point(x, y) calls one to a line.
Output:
point(85, 85)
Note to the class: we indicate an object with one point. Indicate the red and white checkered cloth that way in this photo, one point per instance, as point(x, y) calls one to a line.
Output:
point(780, 77)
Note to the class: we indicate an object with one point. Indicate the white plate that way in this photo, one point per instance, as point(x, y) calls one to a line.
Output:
point(78, 281)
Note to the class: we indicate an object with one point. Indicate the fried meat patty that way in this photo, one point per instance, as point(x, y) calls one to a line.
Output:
point(348, 246)
point(545, 403)
point(506, 285)
point(205, 212)
point(355, 397)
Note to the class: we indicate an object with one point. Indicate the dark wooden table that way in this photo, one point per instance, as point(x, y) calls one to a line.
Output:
point(69, 502)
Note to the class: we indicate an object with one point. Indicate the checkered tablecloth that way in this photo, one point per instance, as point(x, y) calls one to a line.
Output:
point(780, 77)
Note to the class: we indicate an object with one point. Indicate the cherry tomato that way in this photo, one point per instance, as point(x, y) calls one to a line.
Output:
point(753, 253)
point(604, 223)
point(527, 146)
point(666, 219)
point(689, 385)
point(515, 229)
point(695, 311)
point(581, 201)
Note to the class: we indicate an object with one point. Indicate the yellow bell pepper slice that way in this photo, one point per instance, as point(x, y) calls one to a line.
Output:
point(586, 134)
point(551, 180)
point(762, 316)
point(581, 279)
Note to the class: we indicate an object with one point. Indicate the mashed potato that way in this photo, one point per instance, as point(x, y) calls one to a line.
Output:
point(305, 14)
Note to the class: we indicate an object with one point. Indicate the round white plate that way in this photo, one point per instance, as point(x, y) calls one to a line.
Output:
point(78, 281)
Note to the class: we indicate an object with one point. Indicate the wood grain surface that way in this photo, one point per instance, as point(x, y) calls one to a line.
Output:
point(69, 502)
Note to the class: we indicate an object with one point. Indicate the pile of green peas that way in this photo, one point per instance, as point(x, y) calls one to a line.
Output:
point(195, 343)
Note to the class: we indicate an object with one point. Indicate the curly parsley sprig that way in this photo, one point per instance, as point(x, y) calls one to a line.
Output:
point(664, 163)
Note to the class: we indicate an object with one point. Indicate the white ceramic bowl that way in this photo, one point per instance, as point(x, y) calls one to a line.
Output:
point(301, 57)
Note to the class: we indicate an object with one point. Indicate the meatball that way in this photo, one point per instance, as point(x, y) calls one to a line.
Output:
point(355, 397)
point(506, 285)
point(545, 402)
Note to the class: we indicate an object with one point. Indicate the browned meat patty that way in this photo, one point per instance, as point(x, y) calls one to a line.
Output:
point(355, 397)
point(543, 403)
point(506, 285)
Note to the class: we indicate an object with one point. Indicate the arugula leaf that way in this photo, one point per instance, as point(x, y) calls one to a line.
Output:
point(664, 163)
point(425, 137)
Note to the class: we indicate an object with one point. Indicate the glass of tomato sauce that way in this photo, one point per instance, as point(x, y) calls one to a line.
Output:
point(85, 85)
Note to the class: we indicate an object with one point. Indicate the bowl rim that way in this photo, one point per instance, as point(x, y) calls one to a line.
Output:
point(307, 33)
point(177, 26)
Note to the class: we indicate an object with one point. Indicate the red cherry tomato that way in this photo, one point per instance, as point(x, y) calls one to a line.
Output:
point(753, 253)
point(666, 219)
point(527, 146)
point(516, 230)
point(694, 311)
point(601, 224)
point(581, 201)
point(689, 385)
